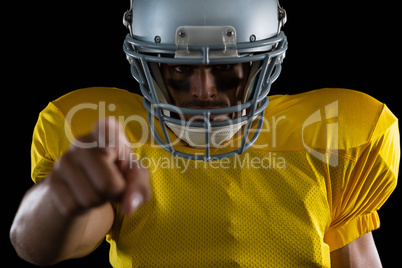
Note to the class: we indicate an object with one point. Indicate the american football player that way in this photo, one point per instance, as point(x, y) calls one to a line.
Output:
point(205, 169)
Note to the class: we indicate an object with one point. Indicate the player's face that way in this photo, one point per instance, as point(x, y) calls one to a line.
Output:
point(206, 86)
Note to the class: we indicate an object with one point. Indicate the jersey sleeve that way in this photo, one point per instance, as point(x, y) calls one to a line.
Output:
point(51, 139)
point(366, 185)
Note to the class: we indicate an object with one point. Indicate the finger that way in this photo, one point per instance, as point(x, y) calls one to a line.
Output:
point(138, 189)
point(62, 198)
point(99, 162)
point(110, 137)
point(102, 172)
point(78, 183)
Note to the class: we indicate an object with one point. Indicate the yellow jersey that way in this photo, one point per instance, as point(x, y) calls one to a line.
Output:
point(325, 162)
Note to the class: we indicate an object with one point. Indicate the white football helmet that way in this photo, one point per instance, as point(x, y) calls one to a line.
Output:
point(209, 32)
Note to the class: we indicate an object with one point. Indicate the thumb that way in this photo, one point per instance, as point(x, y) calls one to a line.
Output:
point(112, 140)
point(138, 188)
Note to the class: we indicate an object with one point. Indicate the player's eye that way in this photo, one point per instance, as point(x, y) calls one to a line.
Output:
point(182, 68)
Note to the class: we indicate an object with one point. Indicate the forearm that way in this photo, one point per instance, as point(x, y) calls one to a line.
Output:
point(41, 234)
point(70, 212)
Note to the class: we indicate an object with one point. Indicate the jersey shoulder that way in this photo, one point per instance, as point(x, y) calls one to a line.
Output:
point(74, 115)
point(97, 95)
point(327, 117)
point(82, 108)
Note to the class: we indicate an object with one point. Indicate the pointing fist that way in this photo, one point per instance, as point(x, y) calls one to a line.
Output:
point(85, 178)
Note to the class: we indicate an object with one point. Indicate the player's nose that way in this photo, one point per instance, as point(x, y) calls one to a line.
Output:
point(203, 87)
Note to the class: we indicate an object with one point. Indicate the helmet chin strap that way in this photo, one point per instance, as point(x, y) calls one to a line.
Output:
point(250, 85)
point(195, 136)
point(160, 88)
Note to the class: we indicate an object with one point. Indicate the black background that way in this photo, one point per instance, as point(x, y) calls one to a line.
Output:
point(53, 47)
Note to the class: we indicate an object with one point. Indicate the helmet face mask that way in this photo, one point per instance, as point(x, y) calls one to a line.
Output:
point(212, 42)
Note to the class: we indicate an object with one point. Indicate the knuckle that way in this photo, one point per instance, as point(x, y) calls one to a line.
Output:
point(67, 209)
point(65, 203)
point(70, 208)
point(110, 186)
point(62, 197)
point(64, 162)
point(89, 201)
